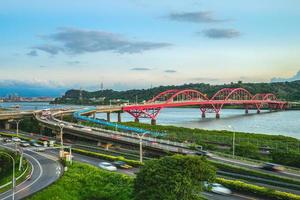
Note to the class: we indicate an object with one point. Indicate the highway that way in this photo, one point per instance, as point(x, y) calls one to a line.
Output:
point(45, 170)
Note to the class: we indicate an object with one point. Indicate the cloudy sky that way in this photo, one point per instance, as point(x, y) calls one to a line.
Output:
point(139, 43)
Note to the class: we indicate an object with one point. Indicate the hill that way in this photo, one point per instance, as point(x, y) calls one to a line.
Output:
point(284, 90)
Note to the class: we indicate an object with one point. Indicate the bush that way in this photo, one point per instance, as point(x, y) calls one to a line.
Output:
point(257, 190)
point(107, 157)
point(247, 150)
point(290, 158)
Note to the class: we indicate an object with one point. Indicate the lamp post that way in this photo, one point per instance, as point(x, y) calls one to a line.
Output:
point(13, 173)
point(17, 123)
point(61, 126)
point(233, 140)
point(141, 145)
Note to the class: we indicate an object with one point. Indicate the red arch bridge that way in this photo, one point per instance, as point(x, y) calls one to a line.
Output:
point(189, 97)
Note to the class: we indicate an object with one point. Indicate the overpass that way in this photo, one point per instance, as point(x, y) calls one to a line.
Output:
point(8, 116)
point(190, 97)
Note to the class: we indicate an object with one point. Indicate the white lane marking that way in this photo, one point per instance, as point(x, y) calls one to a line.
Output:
point(41, 172)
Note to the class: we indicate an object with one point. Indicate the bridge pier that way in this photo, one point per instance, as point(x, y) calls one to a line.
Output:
point(258, 111)
point(6, 125)
point(94, 115)
point(153, 121)
point(246, 111)
point(108, 116)
point(203, 115)
point(218, 115)
point(136, 120)
point(119, 117)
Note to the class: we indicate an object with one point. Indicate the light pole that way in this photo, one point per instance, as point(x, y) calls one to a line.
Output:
point(17, 123)
point(13, 175)
point(61, 126)
point(141, 145)
point(233, 140)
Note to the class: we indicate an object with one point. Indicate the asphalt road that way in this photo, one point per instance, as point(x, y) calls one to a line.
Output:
point(45, 170)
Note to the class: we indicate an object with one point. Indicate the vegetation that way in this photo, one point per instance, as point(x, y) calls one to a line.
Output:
point(290, 158)
point(283, 90)
point(6, 168)
point(254, 173)
point(86, 182)
point(173, 177)
point(257, 190)
point(247, 144)
point(107, 157)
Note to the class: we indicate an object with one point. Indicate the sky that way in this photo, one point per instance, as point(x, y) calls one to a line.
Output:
point(140, 43)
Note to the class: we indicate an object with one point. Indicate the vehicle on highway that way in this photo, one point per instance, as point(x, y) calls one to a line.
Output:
point(107, 166)
point(216, 188)
point(44, 138)
point(7, 140)
point(16, 139)
point(86, 129)
point(204, 153)
point(272, 167)
point(122, 164)
point(36, 145)
point(25, 144)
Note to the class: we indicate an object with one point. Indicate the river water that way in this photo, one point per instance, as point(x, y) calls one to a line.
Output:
point(276, 123)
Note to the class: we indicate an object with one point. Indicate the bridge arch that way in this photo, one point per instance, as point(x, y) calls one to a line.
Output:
point(188, 94)
point(166, 94)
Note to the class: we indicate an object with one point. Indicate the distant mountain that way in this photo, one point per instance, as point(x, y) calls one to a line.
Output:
point(283, 90)
point(29, 89)
point(293, 78)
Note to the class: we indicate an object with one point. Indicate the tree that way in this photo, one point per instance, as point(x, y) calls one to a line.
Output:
point(173, 177)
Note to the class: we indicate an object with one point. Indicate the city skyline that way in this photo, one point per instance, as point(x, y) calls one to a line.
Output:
point(135, 44)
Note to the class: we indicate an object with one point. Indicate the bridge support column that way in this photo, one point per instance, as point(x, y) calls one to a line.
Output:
point(218, 115)
point(6, 125)
point(153, 121)
point(136, 120)
point(42, 129)
point(108, 116)
point(61, 116)
point(203, 115)
point(119, 117)
point(246, 111)
point(94, 115)
point(258, 111)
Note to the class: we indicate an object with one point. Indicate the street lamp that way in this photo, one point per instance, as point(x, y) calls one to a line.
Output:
point(233, 140)
point(141, 145)
point(13, 175)
point(17, 123)
point(61, 126)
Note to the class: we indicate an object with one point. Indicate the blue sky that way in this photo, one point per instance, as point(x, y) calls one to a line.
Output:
point(138, 43)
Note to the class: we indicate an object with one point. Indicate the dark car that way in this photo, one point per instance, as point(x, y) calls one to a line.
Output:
point(122, 164)
point(272, 167)
point(204, 153)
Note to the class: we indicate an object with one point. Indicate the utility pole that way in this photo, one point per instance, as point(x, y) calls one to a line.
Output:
point(17, 123)
point(233, 140)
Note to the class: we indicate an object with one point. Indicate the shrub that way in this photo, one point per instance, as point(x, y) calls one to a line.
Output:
point(257, 190)
point(290, 158)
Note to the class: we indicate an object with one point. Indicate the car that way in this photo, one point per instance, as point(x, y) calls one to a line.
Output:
point(122, 164)
point(217, 188)
point(44, 138)
point(36, 145)
point(16, 139)
point(40, 149)
point(107, 166)
point(25, 144)
point(7, 140)
point(23, 141)
point(272, 167)
point(204, 153)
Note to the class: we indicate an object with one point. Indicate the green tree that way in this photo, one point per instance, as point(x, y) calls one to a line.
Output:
point(173, 177)
point(291, 158)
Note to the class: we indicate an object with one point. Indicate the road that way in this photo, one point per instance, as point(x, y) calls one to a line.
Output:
point(45, 170)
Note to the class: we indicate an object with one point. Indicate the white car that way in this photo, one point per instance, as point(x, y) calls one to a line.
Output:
point(36, 145)
point(107, 166)
point(217, 188)
point(16, 139)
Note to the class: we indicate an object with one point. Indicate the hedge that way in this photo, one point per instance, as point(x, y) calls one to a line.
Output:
point(257, 190)
point(107, 157)
point(244, 171)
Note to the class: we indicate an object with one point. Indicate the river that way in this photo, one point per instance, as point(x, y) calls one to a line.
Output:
point(276, 123)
